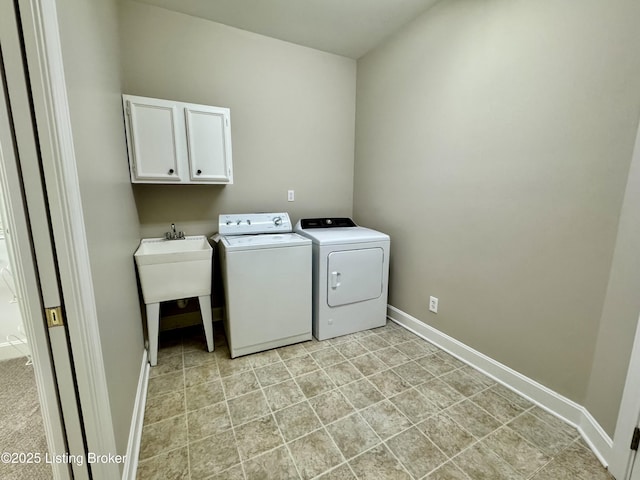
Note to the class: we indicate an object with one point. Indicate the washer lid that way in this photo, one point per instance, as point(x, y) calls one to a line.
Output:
point(342, 235)
point(254, 242)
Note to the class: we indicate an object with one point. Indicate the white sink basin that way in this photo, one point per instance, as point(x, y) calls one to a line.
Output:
point(174, 269)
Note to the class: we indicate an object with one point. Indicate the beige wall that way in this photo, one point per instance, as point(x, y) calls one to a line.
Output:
point(493, 142)
point(506, 127)
point(292, 117)
point(90, 54)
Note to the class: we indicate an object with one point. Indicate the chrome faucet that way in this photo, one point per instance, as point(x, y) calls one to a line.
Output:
point(173, 235)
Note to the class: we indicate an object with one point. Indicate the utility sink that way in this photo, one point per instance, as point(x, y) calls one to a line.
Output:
point(174, 269)
point(171, 270)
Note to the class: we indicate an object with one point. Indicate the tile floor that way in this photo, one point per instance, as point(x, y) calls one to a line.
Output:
point(381, 404)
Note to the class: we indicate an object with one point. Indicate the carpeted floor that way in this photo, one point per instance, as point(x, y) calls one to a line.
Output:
point(21, 428)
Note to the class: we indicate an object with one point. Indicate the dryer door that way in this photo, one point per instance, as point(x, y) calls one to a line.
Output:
point(354, 276)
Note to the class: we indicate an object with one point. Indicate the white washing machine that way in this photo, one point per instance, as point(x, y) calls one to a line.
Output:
point(266, 271)
point(350, 276)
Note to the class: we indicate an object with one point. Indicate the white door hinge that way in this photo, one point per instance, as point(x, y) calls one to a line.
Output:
point(635, 440)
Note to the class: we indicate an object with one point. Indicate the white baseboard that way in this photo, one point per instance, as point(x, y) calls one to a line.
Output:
point(137, 419)
point(595, 436)
point(554, 403)
point(8, 350)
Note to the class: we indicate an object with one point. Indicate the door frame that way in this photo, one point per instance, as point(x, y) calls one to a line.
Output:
point(41, 34)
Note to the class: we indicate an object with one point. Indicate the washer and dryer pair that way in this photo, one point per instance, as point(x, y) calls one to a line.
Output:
point(329, 277)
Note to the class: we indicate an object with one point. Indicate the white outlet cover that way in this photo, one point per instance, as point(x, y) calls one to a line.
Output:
point(433, 304)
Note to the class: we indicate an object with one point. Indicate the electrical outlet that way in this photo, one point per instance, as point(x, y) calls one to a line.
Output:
point(433, 304)
point(291, 195)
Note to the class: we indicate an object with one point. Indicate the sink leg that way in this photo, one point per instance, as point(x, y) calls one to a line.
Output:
point(205, 309)
point(153, 322)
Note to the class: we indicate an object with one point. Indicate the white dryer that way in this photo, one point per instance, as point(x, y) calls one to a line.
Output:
point(266, 271)
point(350, 276)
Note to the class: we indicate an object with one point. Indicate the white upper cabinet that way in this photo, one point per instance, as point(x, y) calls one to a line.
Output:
point(176, 142)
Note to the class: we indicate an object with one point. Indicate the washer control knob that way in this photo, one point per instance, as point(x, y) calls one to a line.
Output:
point(277, 221)
point(238, 222)
point(228, 222)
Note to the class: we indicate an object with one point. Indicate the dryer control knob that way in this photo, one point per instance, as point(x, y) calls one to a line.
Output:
point(277, 221)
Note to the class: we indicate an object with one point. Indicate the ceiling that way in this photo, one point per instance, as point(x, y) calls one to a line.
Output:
point(344, 27)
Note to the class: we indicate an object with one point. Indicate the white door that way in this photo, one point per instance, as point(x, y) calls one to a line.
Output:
point(155, 139)
point(635, 473)
point(624, 463)
point(354, 276)
point(622, 458)
point(209, 144)
point(634, 459)
point(28, 236)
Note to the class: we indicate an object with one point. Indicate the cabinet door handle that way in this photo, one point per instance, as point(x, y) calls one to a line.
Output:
point(198, 172)
point(171, 171)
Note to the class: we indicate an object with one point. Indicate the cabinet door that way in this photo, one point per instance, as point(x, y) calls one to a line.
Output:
point(154, 140)
point(209, 144)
